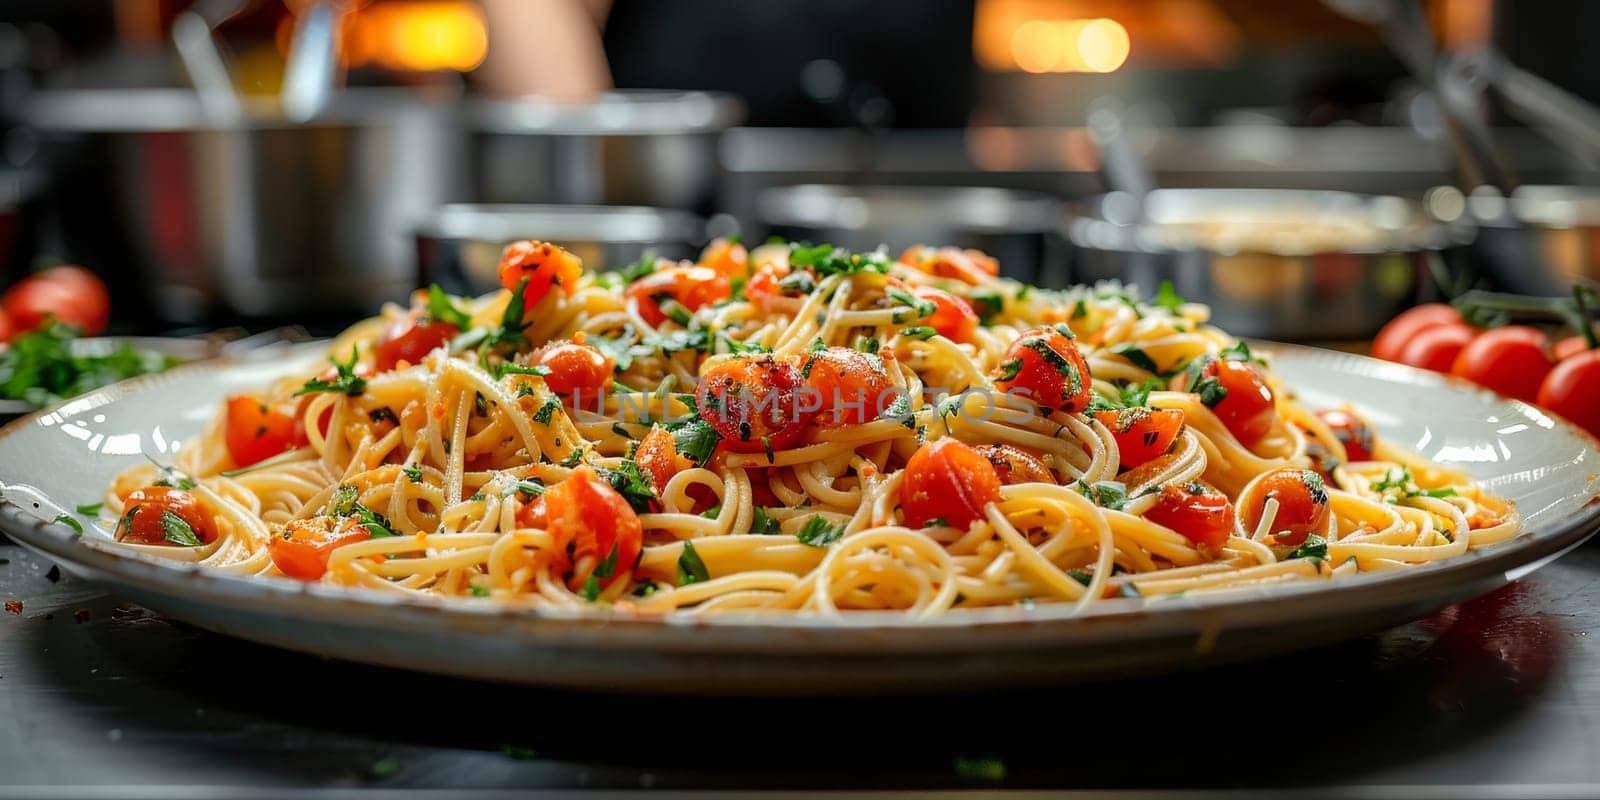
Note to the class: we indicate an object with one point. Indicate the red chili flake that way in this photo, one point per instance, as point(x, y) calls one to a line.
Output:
point(14, 606)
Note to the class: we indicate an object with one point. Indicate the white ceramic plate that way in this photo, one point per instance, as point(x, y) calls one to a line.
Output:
point(54, 461)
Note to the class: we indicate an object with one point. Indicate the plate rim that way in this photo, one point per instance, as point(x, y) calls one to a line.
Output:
point(1120, 619)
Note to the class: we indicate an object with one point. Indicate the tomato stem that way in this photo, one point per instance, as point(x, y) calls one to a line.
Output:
point(1581, 296)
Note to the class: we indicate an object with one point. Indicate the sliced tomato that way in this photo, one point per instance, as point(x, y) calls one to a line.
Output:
point(753, 402)
point(1352, 431)
point(848, 386)
point(657, 454)
point(144, 516)
point(543, 265)
point(1015, 465)
point(591, 518)
point(301, 551)
point(687, 287)
point(947, 482)
point(1302, 505)
point(409, 339)
point(256, 431)
point(1044, 366)
point(1142, 433)
point(1202, 514)
point(952, 316)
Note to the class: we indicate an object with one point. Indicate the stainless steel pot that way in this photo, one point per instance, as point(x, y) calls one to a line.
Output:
point(1272, 263)
point(1017, 228)
point(257, 216)
point(459, 248)
point(1537, 241)
point(650, 148)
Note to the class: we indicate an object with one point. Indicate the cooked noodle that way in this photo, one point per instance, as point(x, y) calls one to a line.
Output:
point(451, 454)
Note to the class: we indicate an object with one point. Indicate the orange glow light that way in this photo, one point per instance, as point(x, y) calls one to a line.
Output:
point(417, 36)
point(1071, 45)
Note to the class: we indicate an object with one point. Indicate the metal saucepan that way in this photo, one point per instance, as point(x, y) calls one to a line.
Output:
point(652, 148)
point(1274, 263)
point(1537, 241)
point(459, 248)
point(257, 216)
point(1017, 228)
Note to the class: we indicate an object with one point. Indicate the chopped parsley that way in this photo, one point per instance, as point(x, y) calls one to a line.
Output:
point(71, 523)
point(574, 458)
point(591, 588)
point(90, 509)
point(695, 440)
point(1137, 357)
point(543, 414)
point(829, 260)
point(442, 309)
point(177, 531)
point(631, 484)
point(690, 568)
point(1010, 369)
point(414, 472)
point(1315, 547)
point(345, 503)
point(922, 332)
point(479, 591)
point(900, 411)
point(1168, 298)
point(763, 524)
point(608, 567)
point(1106, 494)
point(171, 477)
point(989, 304)
point(510, 368)
point(801, 282)
point(646, 265)
point(920, 307)
point(817, 532)
point(345, 380)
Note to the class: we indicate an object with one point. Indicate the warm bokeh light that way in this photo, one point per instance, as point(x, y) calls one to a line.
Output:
point(1073, 45)
point(409, 35)
point(1102, 45)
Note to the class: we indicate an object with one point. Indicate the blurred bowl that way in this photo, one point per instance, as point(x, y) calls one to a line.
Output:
point(1538, 241)
point(1017, 228)
point(1271, 263)
point(258, 216)
point(642, 147)
point(459, 248)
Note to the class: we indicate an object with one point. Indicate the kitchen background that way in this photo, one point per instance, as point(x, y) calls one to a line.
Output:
point(227, 163)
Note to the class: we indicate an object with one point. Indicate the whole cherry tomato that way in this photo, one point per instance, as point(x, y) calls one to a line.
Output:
point(1352, 431)
point(1572, 389)
point(577, 370)
point(849, 386)
point(1436, 347)
point(753, 402)
point(1302, 504)
point(73, 295)
point(1511, 360)
point(1392, 338)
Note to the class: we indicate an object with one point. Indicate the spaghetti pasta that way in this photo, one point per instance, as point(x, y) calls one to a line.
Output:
point(794, 429)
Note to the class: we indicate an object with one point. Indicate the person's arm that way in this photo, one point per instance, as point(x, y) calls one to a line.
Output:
point(545, 47)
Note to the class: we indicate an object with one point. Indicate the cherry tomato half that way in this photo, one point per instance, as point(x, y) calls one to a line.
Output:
point(952, 317)
point(1202, 514)
point(409, 339)
point(143, 516)
point(1352, 431)
point(1302, 504)
point(544, 265)
point(1142, 433)
point(1510, 360)
point(1015, 465)
point(301, 551)
point(947, 480)
point(1392, 338)
point(753, 402)
point(1572, 389)
point(586, 513)
point(1247, 409)
point(1044, 366)
point(1436, 347)
point(689, 287)
point(848, 386)
point(255, 431)
point(969, 266)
